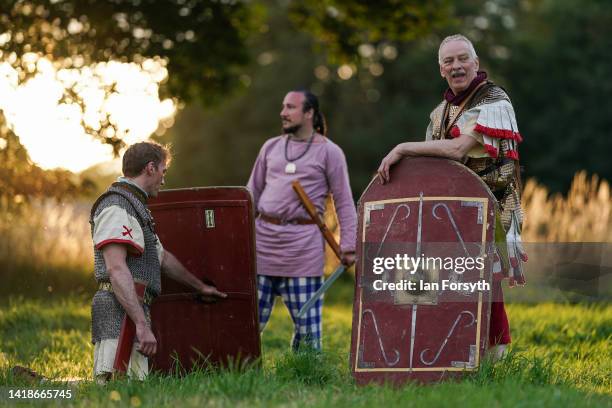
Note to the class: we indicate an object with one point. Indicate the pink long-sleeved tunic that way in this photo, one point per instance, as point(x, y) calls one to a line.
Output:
point(293, 250)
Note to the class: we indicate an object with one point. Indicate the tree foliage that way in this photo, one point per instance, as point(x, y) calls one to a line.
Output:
point(551, 56)
point(341, 27)
point(203, 43)
point(372, 63)
point(558, 71)
point(367, 113)
point(20, 179)
point(203, 40)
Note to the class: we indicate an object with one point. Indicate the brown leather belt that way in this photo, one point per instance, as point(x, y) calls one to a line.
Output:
point(279, 221)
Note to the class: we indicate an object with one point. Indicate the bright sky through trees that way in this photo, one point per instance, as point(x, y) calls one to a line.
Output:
point(52, 110)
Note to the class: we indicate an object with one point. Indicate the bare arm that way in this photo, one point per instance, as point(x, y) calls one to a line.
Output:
point(454, 149)
point(174, 269)
point(123, 288)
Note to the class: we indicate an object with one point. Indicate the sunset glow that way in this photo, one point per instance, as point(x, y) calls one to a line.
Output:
point(52, 125)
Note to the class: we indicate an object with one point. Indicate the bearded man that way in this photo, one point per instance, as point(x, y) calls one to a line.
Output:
point(290, 248)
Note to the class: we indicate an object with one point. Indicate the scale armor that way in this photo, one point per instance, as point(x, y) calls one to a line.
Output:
point(501, 174)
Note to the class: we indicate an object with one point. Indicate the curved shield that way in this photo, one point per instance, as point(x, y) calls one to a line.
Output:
point(421, 309)
point(211, 231)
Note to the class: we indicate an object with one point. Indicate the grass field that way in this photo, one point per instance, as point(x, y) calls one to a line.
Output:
point(562, 356)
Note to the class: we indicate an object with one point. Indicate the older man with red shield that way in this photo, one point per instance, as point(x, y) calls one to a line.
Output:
point(476, 125)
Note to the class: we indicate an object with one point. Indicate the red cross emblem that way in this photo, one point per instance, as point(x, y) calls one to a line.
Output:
point(128, 231)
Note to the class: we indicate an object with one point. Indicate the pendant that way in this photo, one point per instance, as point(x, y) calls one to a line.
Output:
point(290, 168)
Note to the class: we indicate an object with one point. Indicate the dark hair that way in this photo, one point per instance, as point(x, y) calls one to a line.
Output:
point(138, 155)
point(312, 102)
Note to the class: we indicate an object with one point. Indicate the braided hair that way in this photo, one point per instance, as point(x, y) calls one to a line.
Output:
point(312, 102)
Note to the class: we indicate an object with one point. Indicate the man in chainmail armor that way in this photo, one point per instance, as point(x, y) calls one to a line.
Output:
point(127, 250)
point(475, 124)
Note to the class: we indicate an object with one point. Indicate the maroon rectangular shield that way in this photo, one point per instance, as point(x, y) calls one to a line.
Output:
point(211, 231)
point(433, 208)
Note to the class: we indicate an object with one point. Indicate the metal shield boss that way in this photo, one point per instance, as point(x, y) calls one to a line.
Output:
point(423, 276)
point(211, 231)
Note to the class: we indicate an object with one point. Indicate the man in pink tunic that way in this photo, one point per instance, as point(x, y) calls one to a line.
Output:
point(290, 248)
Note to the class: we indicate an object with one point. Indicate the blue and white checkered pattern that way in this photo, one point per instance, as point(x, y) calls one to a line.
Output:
point(295, 293)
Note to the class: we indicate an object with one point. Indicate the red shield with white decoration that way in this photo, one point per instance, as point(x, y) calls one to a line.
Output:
point(423, 276)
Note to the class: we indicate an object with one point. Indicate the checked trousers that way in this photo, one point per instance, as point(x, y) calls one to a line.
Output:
point(295, 292)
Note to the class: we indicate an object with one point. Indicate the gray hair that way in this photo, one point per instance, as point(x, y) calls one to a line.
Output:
point(457, 37)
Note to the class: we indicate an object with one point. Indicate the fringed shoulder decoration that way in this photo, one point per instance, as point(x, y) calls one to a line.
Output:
point(495, 122)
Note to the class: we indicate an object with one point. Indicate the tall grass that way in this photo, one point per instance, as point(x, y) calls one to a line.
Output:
point(45, 246)
point(47, 231)
point(583, 215)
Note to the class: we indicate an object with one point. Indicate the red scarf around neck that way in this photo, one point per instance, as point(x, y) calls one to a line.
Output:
point(457, 99)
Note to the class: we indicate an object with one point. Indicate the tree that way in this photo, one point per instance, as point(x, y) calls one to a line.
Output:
point(203, 40)
point(341, 27)
point(368, 112)
point(550, 56)
point(553, 58)
point(20, 179)
point(560, 69)
point(203, 43)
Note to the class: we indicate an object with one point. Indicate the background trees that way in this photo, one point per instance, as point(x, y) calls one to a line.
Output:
point(373, 64)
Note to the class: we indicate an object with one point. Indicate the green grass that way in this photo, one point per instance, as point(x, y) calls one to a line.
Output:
point(561, 356)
